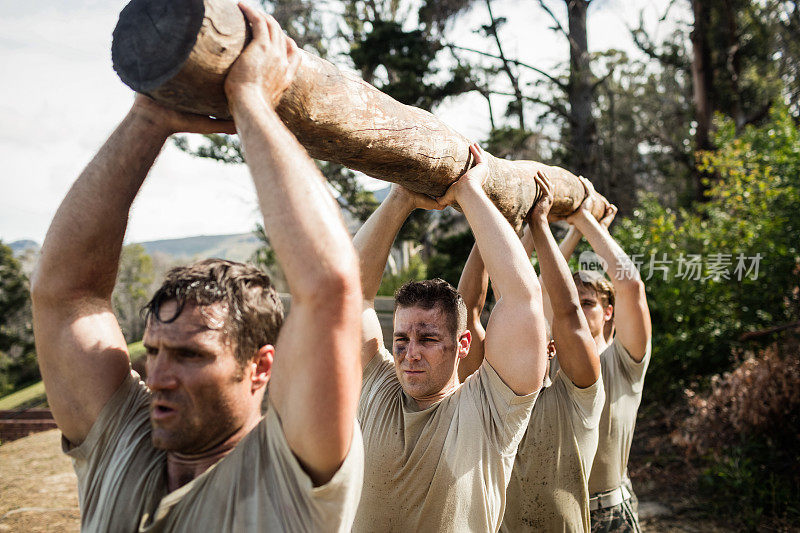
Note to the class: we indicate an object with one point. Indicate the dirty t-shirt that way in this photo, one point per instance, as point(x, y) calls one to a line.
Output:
point(623, 379)
point(444, 468)
point(547, 491)
point(259, 486)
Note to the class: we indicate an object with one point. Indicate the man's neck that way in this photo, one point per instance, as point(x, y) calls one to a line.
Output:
point(183, 468)
point(426, 401)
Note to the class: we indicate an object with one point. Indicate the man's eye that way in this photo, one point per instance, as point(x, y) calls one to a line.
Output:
point(150, 351)
point(189, 354)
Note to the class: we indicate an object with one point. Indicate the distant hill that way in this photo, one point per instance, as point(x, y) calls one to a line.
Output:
point(238, 247)
point(20, 247)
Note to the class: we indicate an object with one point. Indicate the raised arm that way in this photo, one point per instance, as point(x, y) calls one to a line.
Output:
point(316, 376)
point(82, 354)
point(473, 286)
point(373, 242)
point(575, 347)
point(631, 313)
point(570, 242)
point(515, 336)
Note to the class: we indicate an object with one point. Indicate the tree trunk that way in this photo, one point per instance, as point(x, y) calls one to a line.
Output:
point(335, 115)
point(701, 82)
point(583, 128)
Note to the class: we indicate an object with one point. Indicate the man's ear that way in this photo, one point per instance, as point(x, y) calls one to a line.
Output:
point(608, 313)
point(464, 340)
point(263, 366)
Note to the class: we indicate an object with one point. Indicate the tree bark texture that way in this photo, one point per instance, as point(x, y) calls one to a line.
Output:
point(702, 82)
point(583, 128)
point(336, 115)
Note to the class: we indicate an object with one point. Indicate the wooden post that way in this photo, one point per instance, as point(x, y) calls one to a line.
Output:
point(179, 52)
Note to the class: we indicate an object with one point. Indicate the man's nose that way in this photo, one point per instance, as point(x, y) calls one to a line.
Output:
point(160, 372)
point(413, 351)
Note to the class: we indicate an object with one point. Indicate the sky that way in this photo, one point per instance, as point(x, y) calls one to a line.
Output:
point(60, 99)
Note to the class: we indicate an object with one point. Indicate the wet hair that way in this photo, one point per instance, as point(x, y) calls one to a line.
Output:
point(597, 282)
point(432, 293)
point(254, 310)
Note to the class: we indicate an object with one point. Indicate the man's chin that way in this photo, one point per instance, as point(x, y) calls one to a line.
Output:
point(165, 440)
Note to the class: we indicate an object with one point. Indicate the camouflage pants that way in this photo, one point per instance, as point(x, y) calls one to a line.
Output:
point(621, 518)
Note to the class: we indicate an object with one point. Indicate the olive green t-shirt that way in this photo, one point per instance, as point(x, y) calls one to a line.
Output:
point(547, 491)
point(444, 468)
point(259, 486)
point(623, 379)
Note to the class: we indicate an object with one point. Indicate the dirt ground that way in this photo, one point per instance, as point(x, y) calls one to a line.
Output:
point(38, 488)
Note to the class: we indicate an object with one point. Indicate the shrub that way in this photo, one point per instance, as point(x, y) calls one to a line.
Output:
point(746, 431)
point(753, 210)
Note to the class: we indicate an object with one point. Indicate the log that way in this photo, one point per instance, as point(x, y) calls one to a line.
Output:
point(179, 52)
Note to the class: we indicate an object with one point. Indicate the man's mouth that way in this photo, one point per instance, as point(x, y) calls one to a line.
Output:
point(161, 411)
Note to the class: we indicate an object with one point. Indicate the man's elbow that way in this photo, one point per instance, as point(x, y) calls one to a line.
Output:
point(632, 285)
point(336, 282)
point(566, 312)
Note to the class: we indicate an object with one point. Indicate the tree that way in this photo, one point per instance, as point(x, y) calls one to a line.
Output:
point(730, 64)
point(132, 290)
point(17, 357)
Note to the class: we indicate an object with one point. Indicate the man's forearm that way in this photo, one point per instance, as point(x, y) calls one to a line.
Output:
point(374, 239)
point(503, 254)
point(474, 283)
point(555, 272)
point(80, 254)
point(570, 242)
point(621, 269)
point(300, 216)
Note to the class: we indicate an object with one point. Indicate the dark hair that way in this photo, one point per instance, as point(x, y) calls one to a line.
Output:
point(255, 312)
point(596, 281)
point(432, 293)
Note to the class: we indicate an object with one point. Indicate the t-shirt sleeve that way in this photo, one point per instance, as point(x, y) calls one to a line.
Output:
point(503, 413)
point(586, 403)
point(302, 504)
point(110, 460)
point(128, 406)
point(633, 371)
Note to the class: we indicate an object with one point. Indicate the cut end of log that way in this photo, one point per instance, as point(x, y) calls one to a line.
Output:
point(153, 39)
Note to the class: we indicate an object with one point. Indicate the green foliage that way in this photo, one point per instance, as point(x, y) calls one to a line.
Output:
point(450, 256)
point(753, 209)
point(749, 483)
point(408, 58)
point(416, 271)
point(17, 358)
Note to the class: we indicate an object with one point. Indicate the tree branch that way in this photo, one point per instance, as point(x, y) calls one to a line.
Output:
point(558, 26)
point(555, 80)
point(555, 108)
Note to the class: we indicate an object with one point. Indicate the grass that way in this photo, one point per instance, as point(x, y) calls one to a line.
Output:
point(34, 394)
point(23, 396)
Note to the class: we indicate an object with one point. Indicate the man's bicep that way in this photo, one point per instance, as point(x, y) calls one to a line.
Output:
point(83, 359)
point(315, 384)
point(516, 345)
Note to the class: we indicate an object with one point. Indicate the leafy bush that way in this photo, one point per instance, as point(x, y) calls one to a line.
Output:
point(753, 211)
point(746, 430)
point(391, 282)
point(17, 357)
